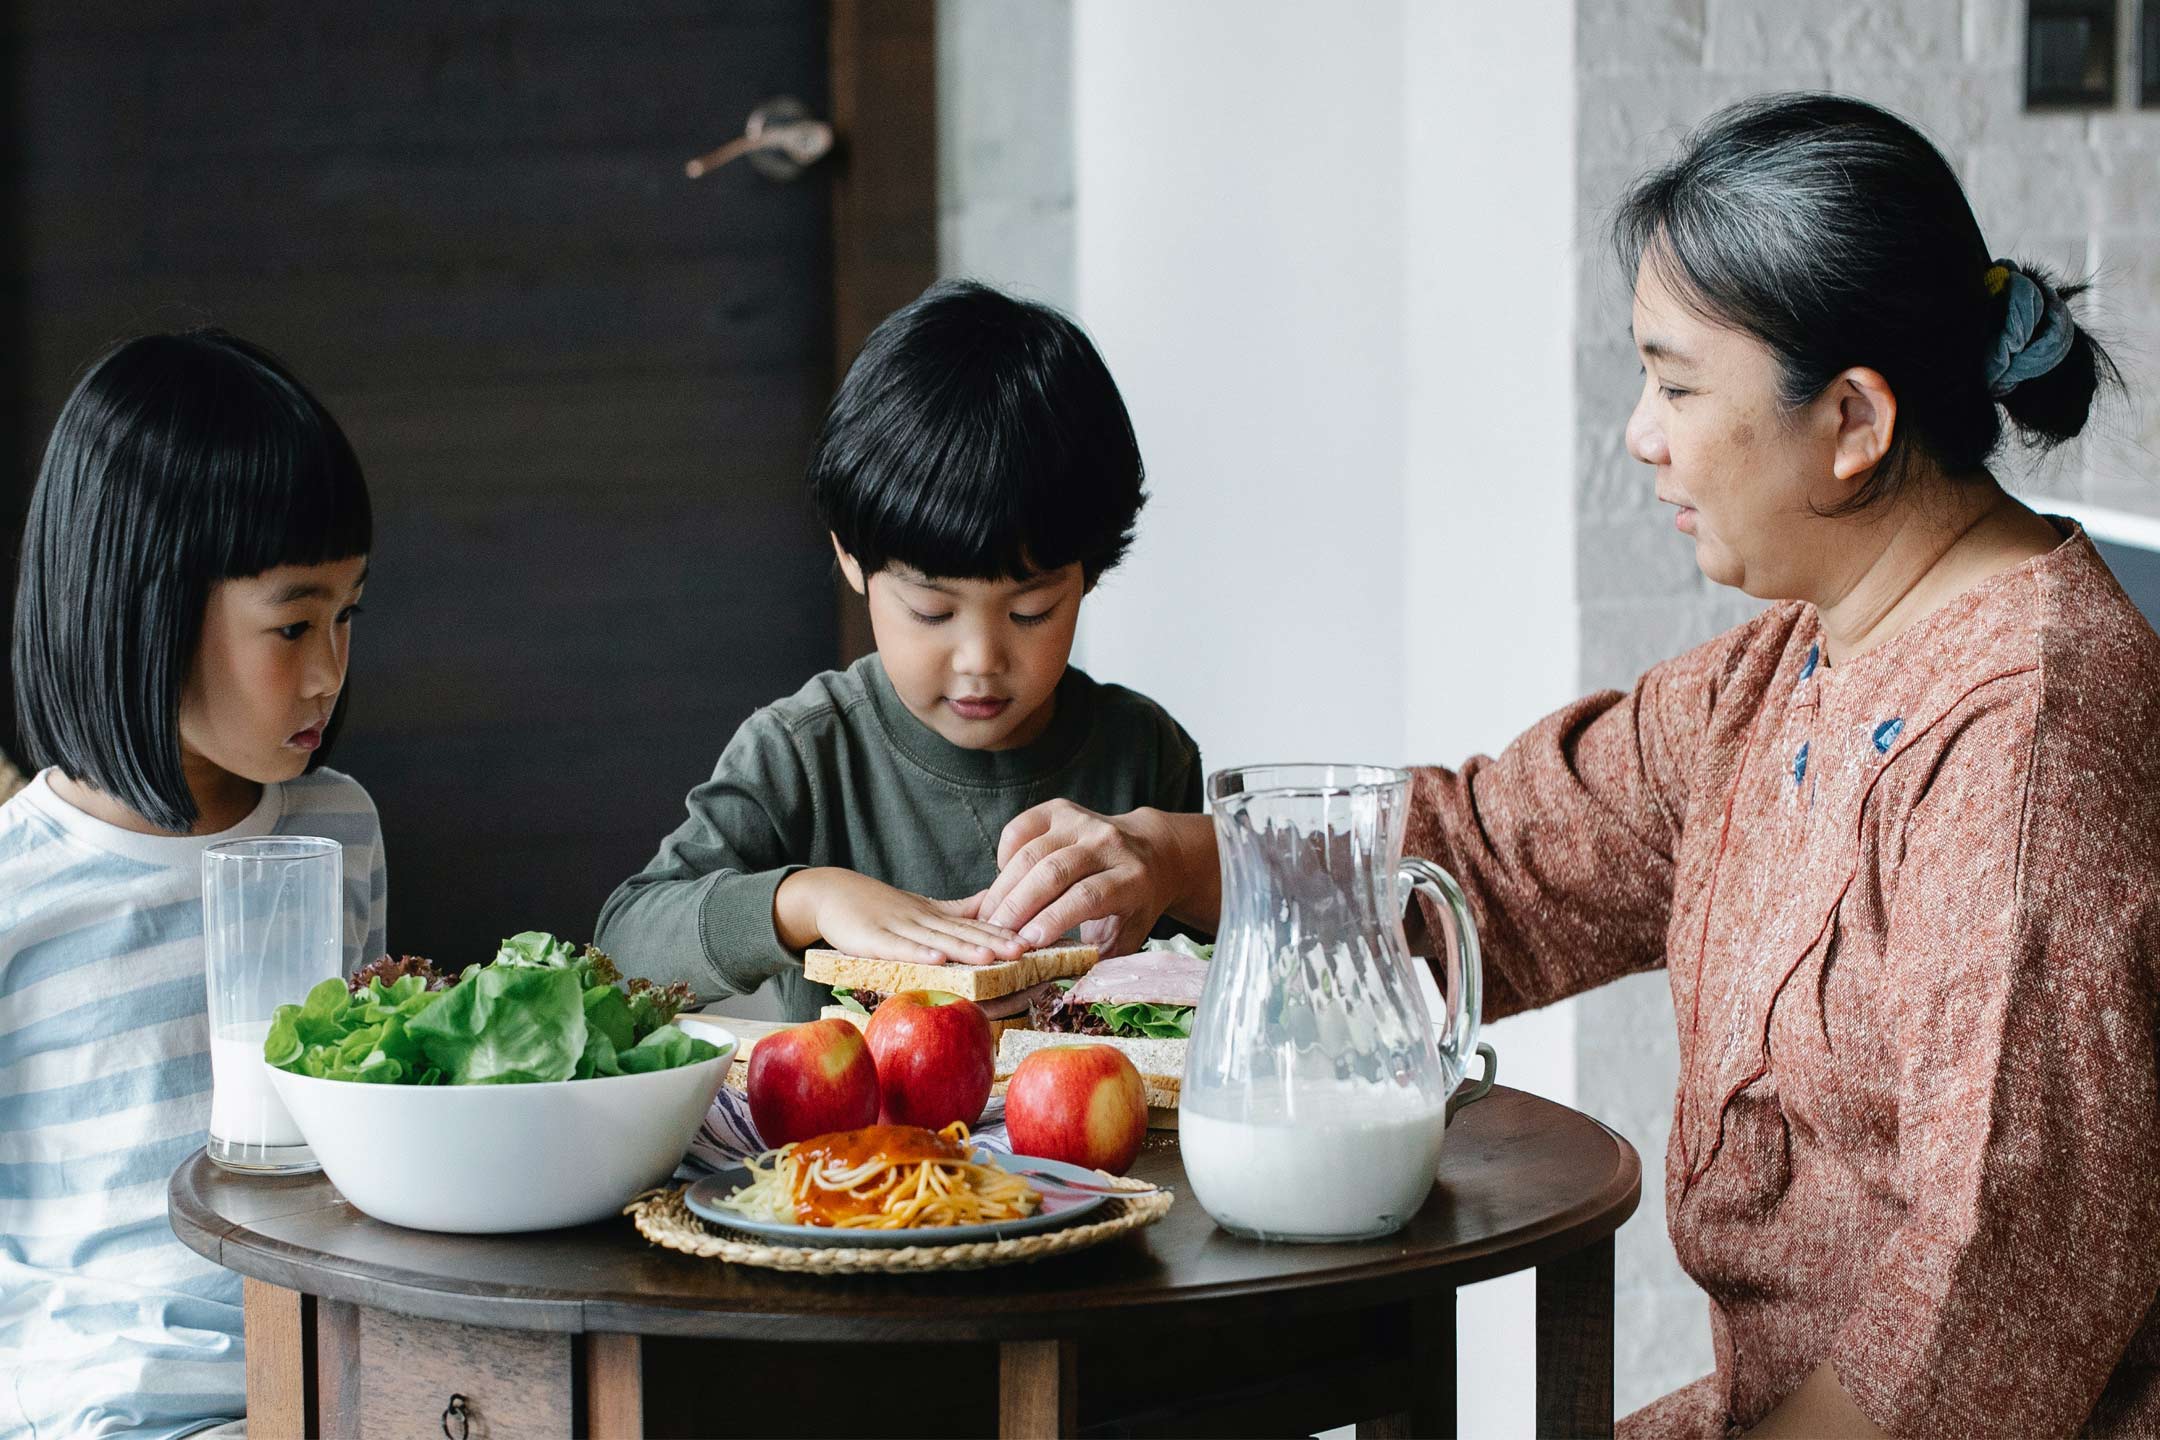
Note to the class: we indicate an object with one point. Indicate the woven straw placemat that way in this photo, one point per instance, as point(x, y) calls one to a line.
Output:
point(663, 1218)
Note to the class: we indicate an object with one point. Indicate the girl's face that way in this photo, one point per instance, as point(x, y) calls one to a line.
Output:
point(1749, 476)
point(975, 660)
point(269, 668)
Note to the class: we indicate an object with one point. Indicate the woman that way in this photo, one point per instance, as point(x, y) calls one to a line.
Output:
point(1894, 840)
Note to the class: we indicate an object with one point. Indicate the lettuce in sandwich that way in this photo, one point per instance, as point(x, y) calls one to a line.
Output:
point(1148, 995)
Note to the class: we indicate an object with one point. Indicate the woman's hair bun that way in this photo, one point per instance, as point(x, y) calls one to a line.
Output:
point(2052, 407)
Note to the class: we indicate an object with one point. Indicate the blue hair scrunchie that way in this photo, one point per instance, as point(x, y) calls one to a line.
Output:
point(2036, 330)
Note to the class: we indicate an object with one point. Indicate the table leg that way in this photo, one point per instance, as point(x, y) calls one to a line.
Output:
point(280, 1326)
point(1038, 1389)
point(1575, 1343)
point(1431, 1375)
point(337, 1370)
point(614, 1387)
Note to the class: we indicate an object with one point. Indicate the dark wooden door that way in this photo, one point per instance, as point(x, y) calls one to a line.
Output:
point(582, 386)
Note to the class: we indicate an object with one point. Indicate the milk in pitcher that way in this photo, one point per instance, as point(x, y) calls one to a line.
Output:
point(1339, 1164)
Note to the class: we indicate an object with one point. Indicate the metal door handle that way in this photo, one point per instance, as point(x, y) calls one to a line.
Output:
point(782, 139)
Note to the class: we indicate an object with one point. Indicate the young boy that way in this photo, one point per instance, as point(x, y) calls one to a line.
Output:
point(978, 474)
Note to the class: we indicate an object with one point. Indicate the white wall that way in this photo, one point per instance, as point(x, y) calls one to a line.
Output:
point(1488, 295)
point(1004, 146)
point(1239, 206)
point(1327, 253)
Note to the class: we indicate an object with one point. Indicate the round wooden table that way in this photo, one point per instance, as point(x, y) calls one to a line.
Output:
point(359, 1328)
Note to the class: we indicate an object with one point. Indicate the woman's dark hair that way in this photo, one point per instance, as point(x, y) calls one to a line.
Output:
point(978, 437)
point(180, 461)
point(1833, 232)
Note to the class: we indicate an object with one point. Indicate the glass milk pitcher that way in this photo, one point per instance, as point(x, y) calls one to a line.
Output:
point(1317, 1086)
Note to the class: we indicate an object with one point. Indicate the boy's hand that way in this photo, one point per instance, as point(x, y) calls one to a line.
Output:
point(859, 916)
point(1060, 865)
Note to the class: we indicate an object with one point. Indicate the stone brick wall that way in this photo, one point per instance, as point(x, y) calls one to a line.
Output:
point(2079, 192)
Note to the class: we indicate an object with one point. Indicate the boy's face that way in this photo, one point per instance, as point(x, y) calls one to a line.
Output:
point(975, 660)
point(269, 668)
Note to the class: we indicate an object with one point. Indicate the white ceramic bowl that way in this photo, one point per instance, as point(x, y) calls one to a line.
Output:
point(482, 1159)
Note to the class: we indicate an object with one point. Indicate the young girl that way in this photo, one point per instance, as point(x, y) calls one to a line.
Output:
point(193, 558)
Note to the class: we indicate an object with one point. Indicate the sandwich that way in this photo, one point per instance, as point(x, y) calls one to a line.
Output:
point(1148, 995)
point(1141, 1004)
point(1007, 991)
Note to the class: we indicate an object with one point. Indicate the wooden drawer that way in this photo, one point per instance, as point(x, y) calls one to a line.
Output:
point(390, 1377)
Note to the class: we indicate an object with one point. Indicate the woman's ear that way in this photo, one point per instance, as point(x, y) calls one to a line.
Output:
point(1866, 422)
point(849, 566)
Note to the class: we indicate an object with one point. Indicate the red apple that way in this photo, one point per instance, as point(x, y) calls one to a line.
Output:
point(935, 1058)
point(811, 1080)
point(1083, 1104)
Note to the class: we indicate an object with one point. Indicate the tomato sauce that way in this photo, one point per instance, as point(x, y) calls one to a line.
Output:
point(846, 1150)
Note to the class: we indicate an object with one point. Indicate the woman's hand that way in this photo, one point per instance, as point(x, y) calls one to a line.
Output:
point(1061, 866)
point(859, 916)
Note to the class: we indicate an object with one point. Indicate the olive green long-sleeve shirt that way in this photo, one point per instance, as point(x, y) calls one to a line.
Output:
point(841, 774)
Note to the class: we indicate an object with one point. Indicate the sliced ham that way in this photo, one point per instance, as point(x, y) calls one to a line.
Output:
point(1156, 977)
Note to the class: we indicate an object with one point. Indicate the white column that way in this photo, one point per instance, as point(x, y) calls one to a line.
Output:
point(1327, 252)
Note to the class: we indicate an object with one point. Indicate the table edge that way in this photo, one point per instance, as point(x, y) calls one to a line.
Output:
point(230, 1244)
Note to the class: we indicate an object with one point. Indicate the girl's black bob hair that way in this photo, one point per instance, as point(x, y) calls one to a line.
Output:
point(978, 437)
point(179, 461)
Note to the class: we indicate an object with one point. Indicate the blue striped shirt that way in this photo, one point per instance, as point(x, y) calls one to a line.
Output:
point(109, 1324)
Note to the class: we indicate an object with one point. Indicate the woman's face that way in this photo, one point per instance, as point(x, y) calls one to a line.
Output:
point(1750, 478)
point(269, 668)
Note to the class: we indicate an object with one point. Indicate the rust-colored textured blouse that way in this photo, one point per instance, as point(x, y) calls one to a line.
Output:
point(1910, 908)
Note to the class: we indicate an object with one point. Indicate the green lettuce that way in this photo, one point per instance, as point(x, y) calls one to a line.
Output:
point(1138, 1018)
point(847, 1001)
point(664, 1049)
point(541, 1010)
point(507, 1024)
point(336, 1035)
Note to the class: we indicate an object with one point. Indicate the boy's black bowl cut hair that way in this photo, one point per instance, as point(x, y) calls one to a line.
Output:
point(179, 461)
point(979, 437)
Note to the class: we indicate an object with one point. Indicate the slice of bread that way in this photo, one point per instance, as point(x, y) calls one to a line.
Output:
point(1161, 1063)
point(970, 982)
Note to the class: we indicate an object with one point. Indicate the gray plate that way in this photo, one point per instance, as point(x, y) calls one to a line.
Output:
point(1059, 1207)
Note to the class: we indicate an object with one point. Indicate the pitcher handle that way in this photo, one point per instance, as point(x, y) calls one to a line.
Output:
point(1470, 1094)
point(1421, 877)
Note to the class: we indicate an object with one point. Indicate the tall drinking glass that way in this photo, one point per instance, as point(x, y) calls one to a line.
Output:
point(273, 927)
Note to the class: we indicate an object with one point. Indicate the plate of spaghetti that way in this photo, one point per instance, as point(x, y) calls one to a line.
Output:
point(887, 1185)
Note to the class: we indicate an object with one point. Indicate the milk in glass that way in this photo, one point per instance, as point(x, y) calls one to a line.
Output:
point(273, 928)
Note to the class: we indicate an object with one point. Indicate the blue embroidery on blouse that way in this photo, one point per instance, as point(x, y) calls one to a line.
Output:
point(1814, 653)
point(1799, 765)
point(1886, 734)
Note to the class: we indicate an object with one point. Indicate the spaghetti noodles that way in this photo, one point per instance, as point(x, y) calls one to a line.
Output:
point(886, 1177)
